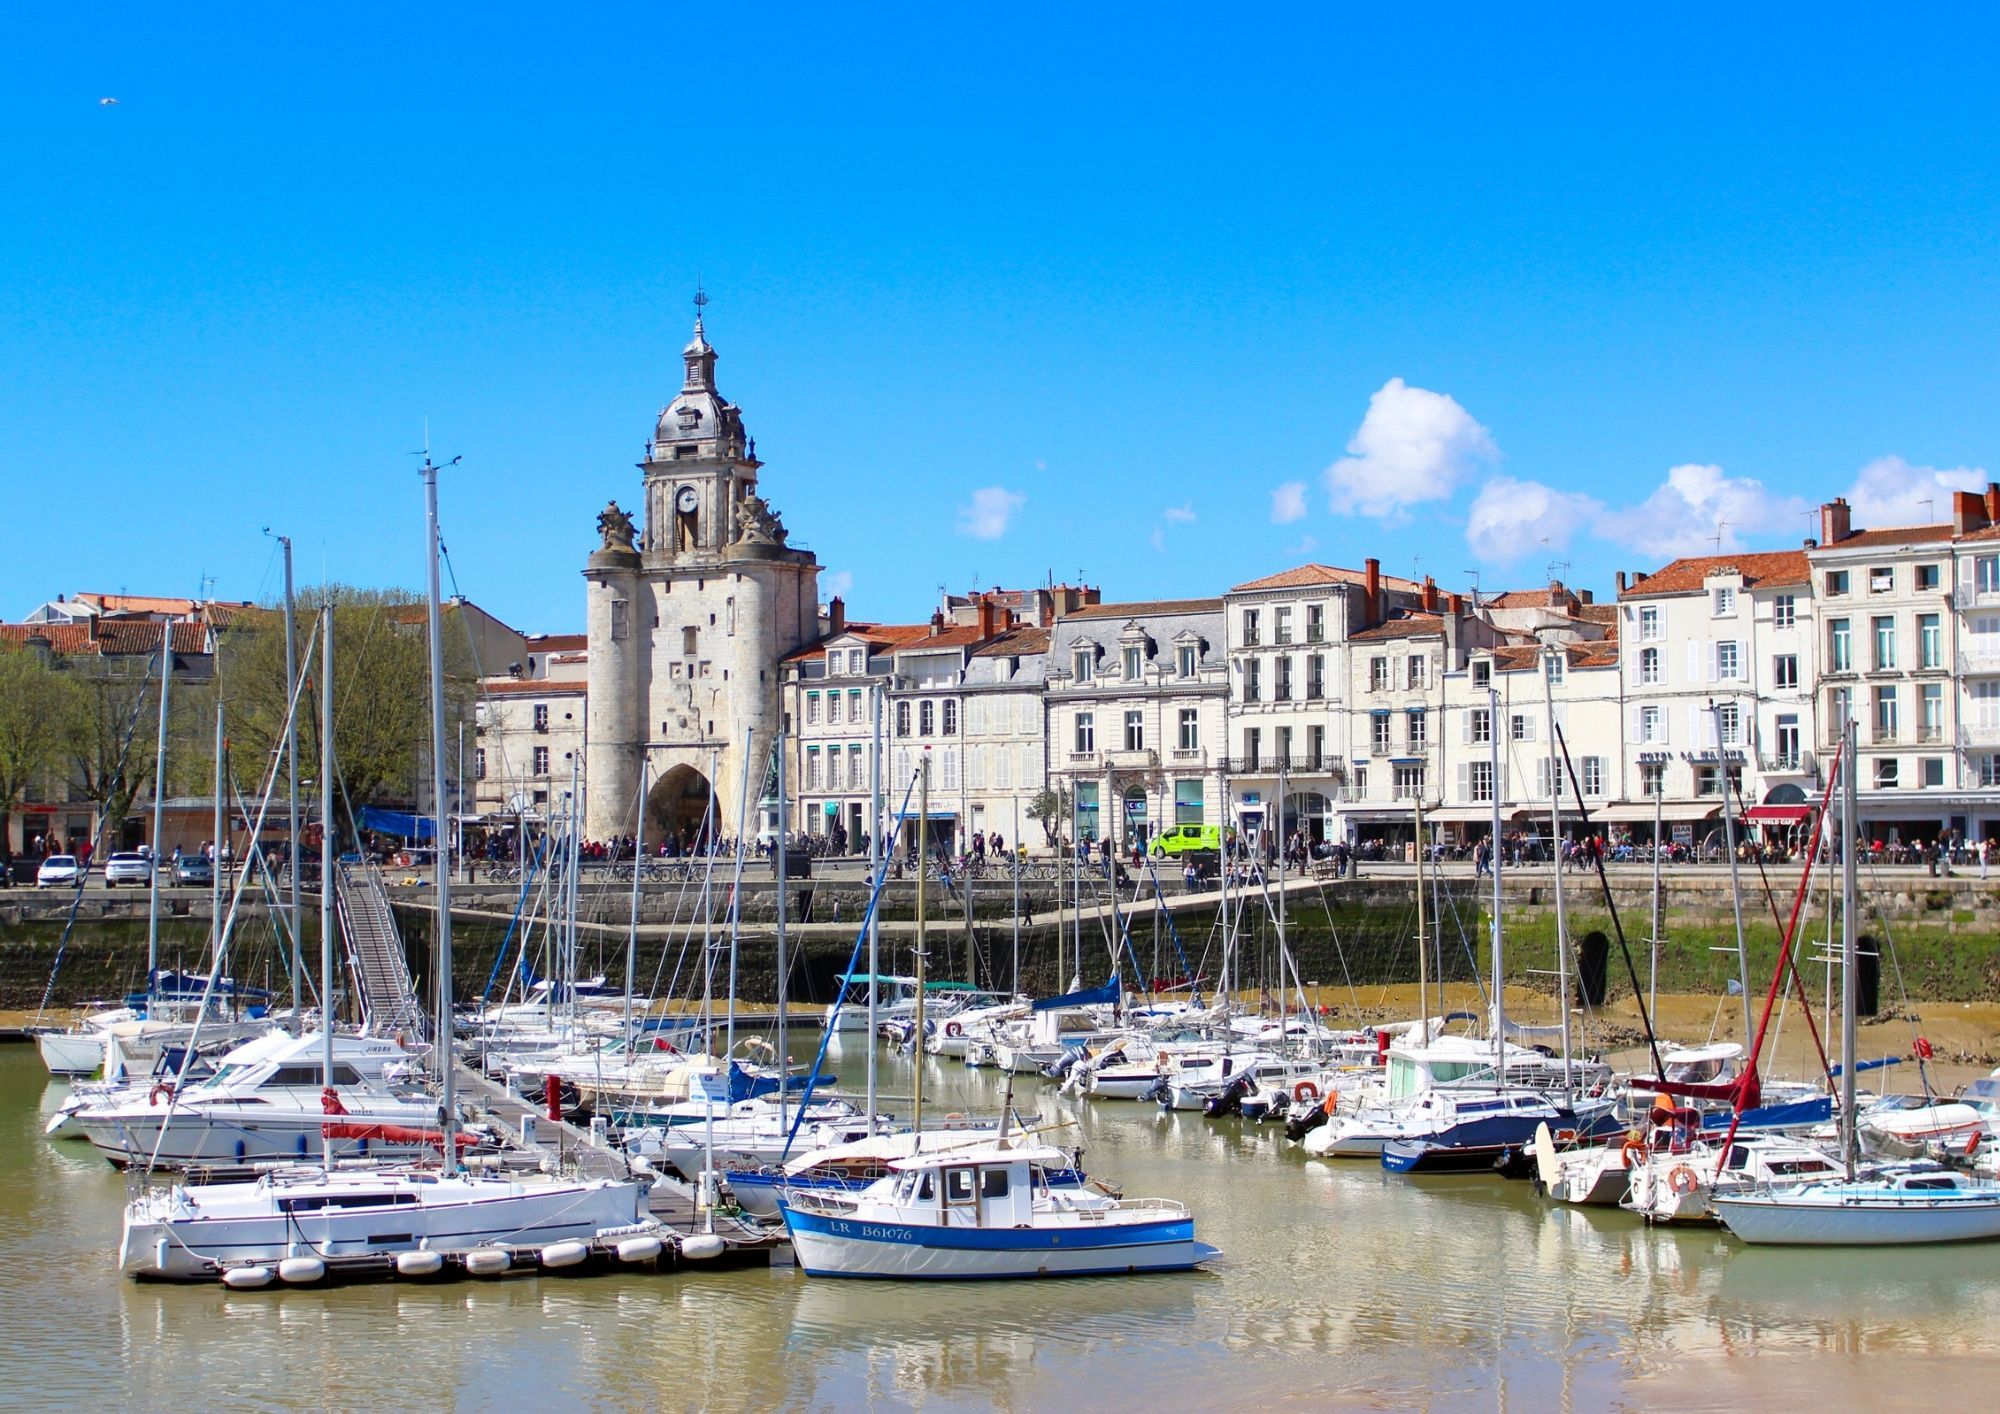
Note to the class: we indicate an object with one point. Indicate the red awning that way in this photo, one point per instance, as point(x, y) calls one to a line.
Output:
point(1776, 814)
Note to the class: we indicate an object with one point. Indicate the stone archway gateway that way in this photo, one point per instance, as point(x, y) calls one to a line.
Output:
point(678, 807)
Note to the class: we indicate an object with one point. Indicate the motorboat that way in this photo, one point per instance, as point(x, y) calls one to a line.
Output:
point(1678, 1183)
point(1902, 1204)
point(1469, 1131)
point(982, 1213)
point(851, 1167)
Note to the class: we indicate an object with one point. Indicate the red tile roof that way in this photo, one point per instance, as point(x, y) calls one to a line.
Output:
point(1907, 535)
point(1145, 607)
point(1409, 626)
point(532, 687)
point(107, 637)
point(153, 603)
point(880, 638)
point(1766, 569)
point(1307, 575)
point(1017, 642)
point(557, 642)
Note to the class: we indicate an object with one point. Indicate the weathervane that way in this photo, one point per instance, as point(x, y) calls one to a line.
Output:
point(700, 300)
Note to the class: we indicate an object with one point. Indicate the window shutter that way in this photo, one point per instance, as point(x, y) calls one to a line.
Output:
point(1636, 725)
point(1464, 781)
point(1694, 723)
point(1694, 660)
point(1464, 732)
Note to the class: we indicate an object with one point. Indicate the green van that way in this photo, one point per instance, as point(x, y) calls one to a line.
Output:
point(1189, 839)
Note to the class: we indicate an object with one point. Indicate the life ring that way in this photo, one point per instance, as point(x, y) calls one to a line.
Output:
point(952, 1028)
point(1683, 1180)
point(1634, 1147)
point(1305, 1090)
point(165, 1087)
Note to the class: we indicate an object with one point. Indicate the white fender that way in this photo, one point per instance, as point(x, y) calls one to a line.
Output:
point(564, 1254)
point(639, 1249)
point(487, 1261)
point(246, 1278)
point(301, 1269)
point(701, 1246)
point(419, 1264)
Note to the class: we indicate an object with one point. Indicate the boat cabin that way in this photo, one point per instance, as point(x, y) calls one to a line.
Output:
point(983, 1188)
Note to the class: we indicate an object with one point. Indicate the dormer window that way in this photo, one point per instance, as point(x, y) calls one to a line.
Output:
point(1085, 665)
point(1482, 673)
point(690, 419)
point(1184, 660)
point(1135, 659)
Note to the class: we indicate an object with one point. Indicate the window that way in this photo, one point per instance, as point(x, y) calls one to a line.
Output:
point(812, 708)
point(1479, 780)
point(1419, 671)
point(541, 760)
point(1708, 780)
point(1378, 733)
point(1282, 690)
point(1987, 769)
point(1521, 727)
point(1839, 647)
point(1787, 740)
point(541, 716)
point(1649, 667)
point(1593, 775)
point(1930, 712)
point(1725, 602)
point(1086, 731)
point(1187, 803)
point(1836, 582)
point(1250, 639)
point(1726, 660)
point(1882, 580)
point(1985, 632)
point(1135, 659)
point(1360, 780)
point(926, 717)
point(1253, 747)
point(1135, 730)
point(1184, 658)
point(1415, 728)
point(1315, 623)
point(1315, 677)
point(902, 719)
point(854, 704)
point(1729, 724)
point(1885, 714)
point(690, 642)
point(1784, 611)
point(1649, 624)
point(950, 717)
point(854, 778)
point(1930, 771)
point(812, 768)
point(1085, 665)
point(1651, 722)
point(1482, 673)
point(857, 660)
point(1409, 781)
point(1986, 574)
point(1652, 778)
point(1885, 643)
point(1556, 663)
point(1927, 577)
point(1930, 641)
point(620, 611)
point(1785, 670)
point(1479, 725)
point(1888, 776)
point(479, 763)
point(1281, 625)
point(1284, 745)
point(1190, 732)
point(1253, 690)
point(1839, 711)
point(1378, 674)
point(1315, 747)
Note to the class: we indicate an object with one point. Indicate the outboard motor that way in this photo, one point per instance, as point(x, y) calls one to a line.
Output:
point(1161, 1092)
point(1300, 1125)
point(1229, 1102)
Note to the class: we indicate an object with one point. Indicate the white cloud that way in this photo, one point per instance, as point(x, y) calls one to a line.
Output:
point(1695, 504)
point(1510, 519)
point(1889, 492)
point(1180, 515)
point(1307, 544)
point(1288, 503)
point(1158, 539)
point(840, 582)
point(1414, 445)
point(987, 515)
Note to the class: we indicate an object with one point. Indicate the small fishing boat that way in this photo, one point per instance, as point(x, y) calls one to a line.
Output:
point(986, 1212)
point(851, 1167)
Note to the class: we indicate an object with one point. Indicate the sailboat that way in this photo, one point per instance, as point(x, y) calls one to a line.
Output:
point(1902, 1204)
point(298, 1223)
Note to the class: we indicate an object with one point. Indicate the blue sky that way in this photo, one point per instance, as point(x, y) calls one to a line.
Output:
point(1168, 297)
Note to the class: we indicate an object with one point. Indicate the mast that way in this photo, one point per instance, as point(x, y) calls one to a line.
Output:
point(736, 883)
point(1653, 982)
point(292, 798)
point(632, 932)
point(923, 868)
point(1015, 861)
point(215, 868)
point(447, 1121)
point(1849, 946)
point(1283, 762)
point(1423, 928)
point(326, 865)
point(1499, 975)
point(875, 871)
point(1222, 909)
point(778, 871)
point(1555, 846)
point(159, 807)
point(1735, 882)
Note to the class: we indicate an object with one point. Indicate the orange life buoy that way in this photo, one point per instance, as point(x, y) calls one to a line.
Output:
point(1332, 1104)
point(1634, 1147)
point(952, 1028)
point(1683, 1179)
point(165, 1087)
point(1305, 1090)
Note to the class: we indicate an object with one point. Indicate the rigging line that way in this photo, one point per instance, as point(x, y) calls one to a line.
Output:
point(1798, 978)
point(1339, 950)
point(1888, 945)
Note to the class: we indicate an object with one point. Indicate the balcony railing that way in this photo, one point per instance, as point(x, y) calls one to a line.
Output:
point(1298, 763)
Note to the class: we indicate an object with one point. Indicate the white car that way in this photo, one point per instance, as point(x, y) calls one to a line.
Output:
point(127, 868)
point(58, 869)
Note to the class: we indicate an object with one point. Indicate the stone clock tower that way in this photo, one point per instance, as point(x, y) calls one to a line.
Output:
point(688, 625)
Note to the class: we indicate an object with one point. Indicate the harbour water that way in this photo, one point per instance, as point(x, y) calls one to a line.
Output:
point(1340, 1286)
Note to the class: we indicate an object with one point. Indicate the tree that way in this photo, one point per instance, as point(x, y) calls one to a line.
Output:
point(1050, 808)
point(39, 708)
point(114, 702)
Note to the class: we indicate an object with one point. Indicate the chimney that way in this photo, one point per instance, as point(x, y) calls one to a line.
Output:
point(1586, 596)
point(836, 615)
point(1993, 503)
point(1621, 581)
point(1372, 568)
point(1968, 511)
point(1457, 604)
point(937, 622)
point(1430, 600)
point(989, 616)
point(1836, 521)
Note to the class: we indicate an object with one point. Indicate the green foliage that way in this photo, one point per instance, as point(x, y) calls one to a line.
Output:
point(39, 710)
point(1049, 808)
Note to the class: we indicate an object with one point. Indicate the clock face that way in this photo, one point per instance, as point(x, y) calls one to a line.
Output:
point(688, 498)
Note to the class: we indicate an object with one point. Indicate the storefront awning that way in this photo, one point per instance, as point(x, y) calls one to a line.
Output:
point(1631, 812)
point(1776, 814)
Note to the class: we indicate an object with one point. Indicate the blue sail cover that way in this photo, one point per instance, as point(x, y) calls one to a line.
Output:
point(1793, 1115)
point(1106, 995)
point(400, 823)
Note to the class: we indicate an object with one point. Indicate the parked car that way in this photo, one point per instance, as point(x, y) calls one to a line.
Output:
point(193, 869)
point(127, 867)
point(58, 869)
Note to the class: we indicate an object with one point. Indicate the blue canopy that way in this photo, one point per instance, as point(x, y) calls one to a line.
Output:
point(1090, 996)
point(400, 823)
